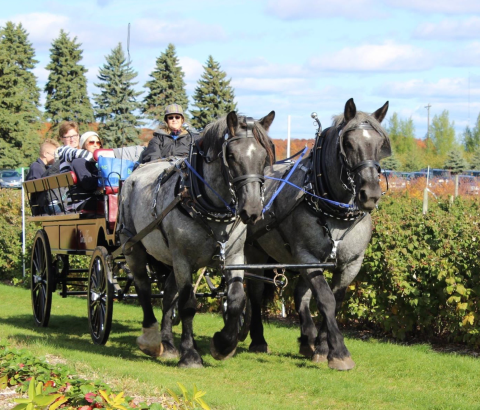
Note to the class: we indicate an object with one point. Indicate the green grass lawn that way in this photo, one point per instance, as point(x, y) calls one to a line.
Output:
point(387, 376)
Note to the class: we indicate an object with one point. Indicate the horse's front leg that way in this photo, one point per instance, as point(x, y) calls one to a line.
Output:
point(150, 340)
point(340, 282)
point(224, 343)
point(308, 330)
point(187, 303)
point(338, 355)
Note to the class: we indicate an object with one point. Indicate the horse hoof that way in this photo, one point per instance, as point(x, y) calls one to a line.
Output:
point(192, 365)
point(259, 349)
point(307, 350)
point(150, 342)
point(341, 364)
point(319, 358)
point(169, 352)
point(217, 355)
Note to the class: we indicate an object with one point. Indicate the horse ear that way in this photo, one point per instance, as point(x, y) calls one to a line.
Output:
point(350, 110)
point(232, 123)
point(381, 112)
point(267, 121)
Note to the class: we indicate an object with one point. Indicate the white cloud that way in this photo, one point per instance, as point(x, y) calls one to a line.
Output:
point(445, 88)
point(269, 85)
point(41, 27)
point(151, 31)
point(262, 68)
point(317, 9)
point(438, 6)
point(467, 56)
point(192, 68)
point(388, 57)
point(450, 29)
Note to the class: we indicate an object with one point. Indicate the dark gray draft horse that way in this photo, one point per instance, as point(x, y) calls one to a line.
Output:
point(231, 157)
point(300, 228)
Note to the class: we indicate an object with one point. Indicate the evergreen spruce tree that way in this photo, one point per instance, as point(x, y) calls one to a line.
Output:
point(19, 99)
point(166, 86)
point(391, 162)
point(115, 106)
point(66, 88)
point(213, 96)
point(455, 162)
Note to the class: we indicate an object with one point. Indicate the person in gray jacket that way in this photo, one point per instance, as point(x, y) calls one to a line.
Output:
point(170, 139)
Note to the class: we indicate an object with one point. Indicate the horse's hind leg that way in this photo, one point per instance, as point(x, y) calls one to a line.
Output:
point(255, 294)
point(170, 297)
point(338, 355)
point(308, 331)
point(150, 340)
point(189, 357)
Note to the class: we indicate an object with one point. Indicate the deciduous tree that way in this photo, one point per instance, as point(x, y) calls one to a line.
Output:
point(443, 133)
point(471, 138)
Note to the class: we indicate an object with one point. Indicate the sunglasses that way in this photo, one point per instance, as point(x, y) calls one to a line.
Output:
point(94, 143)
point(174, 117)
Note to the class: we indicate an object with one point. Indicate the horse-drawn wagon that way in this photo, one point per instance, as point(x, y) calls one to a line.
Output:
point(191, 220)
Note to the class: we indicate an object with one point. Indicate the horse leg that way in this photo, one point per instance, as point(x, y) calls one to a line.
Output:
point(224, 343)
point(255, 294)
point(187, 303)
point(340, 283)
point(338, 355)
point(170, 297)
point(150, 340)
point(308, 331)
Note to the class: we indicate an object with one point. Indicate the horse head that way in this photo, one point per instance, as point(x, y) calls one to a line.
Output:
point(363, 143)
point(245, 152)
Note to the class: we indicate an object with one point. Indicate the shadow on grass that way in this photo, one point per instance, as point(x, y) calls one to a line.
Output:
point(72, 333)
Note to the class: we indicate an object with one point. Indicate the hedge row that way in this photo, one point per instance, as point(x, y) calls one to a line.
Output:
point(421, 273)
point(420, 277)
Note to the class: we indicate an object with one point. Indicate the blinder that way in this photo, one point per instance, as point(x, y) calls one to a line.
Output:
point(240, 181)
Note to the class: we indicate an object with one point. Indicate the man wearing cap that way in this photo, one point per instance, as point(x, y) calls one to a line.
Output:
point(170, 139)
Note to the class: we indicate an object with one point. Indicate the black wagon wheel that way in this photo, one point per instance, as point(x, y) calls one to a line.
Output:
point(42, 281)
point(100, 296)
point(243, 321)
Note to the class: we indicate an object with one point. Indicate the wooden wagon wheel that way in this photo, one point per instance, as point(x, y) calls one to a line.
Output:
point(42, 281)
point(100, 296)
point(243, 321)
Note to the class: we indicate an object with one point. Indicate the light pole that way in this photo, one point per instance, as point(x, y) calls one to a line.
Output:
point(428, 120)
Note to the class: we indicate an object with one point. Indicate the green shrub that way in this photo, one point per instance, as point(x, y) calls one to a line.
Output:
point(11, 266)
point(421, 274)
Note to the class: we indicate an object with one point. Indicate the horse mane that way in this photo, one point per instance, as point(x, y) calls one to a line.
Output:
point(215, 132)
point(357, 120)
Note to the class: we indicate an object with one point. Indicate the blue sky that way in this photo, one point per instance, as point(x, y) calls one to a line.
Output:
point(294, 57)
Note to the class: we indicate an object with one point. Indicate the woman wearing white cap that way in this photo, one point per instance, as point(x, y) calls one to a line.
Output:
point(90, 141)
point(84, 168)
